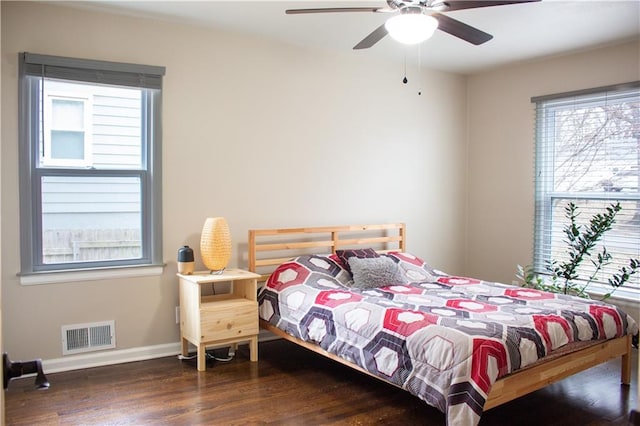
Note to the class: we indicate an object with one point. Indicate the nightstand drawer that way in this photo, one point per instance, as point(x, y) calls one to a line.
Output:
point(229, 319)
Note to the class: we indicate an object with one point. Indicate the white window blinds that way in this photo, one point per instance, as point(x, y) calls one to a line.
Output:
point(588, 153)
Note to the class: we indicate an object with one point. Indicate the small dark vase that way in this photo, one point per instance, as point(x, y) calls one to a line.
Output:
point(185, 260)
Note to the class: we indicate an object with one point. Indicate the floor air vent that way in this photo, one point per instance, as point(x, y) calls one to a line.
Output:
point(96, 336)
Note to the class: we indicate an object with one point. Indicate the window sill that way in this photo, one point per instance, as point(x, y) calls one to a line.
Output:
point(89, 275)
point(627, 296)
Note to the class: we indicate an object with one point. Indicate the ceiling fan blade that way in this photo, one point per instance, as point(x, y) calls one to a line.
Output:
point(337, 9)
point(472, 4)
point(377, 35)
point(461, 30)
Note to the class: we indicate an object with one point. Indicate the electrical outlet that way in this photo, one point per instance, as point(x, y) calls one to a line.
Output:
point(177, 314)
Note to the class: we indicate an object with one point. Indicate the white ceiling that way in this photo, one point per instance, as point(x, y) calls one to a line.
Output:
point(521, 32)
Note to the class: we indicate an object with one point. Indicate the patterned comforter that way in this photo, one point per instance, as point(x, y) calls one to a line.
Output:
point(443, 338)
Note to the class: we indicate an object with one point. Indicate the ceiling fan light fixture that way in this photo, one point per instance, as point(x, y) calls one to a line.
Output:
point(411, 27)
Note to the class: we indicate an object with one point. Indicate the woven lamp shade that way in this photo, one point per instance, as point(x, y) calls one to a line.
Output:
point(215, 244)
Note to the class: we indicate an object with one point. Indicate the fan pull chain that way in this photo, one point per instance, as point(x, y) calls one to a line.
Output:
point(420, 67)
point(404, 80)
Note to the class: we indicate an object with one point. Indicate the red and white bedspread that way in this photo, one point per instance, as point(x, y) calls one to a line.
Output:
point(444, 339)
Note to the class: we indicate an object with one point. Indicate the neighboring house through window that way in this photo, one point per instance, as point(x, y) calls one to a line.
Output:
point(67, 117)
point(588, 153)
point(90, 164)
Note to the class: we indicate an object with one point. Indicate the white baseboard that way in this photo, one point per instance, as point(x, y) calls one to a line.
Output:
point(266, 335)
point(110, 357)
point(98, 359)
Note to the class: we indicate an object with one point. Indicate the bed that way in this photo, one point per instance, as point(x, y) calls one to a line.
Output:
point(462, 345)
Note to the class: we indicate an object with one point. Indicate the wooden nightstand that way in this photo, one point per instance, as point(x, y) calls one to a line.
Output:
point(219, 319)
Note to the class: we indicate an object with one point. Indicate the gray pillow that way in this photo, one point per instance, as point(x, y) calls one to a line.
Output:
point(375, 272)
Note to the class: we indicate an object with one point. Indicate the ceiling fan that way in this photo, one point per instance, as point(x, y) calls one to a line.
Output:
point(415, 20)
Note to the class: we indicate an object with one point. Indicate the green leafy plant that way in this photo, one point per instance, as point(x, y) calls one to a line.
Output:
point(564, 276)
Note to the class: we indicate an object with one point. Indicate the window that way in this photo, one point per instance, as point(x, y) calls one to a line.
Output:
point(588, 153)
point(66, 118)
point(90, 164)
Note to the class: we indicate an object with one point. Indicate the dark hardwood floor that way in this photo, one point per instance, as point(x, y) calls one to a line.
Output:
point(289, 386)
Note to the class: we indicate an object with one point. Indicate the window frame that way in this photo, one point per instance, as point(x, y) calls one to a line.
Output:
point(545, 193)
point(148, 78)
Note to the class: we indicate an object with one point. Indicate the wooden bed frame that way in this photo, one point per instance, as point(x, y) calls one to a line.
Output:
point(271, 247)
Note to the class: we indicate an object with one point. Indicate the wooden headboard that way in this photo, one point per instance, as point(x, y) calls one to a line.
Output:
point(269, 248)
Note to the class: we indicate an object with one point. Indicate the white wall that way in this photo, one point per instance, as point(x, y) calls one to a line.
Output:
point(501, 150)
point(265, 134)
